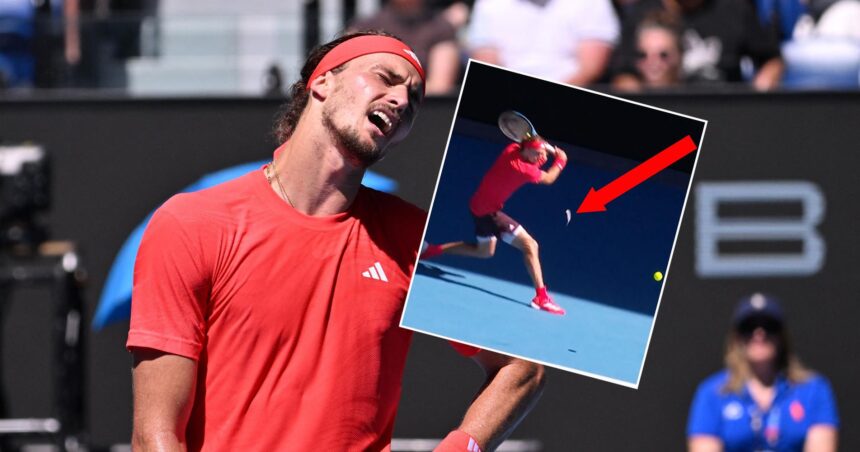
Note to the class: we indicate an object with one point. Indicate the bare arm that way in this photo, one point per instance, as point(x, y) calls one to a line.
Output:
point(626, 82)
point(549, 176)
point(593, 56)
point(821, 438)
point(163, 386)
point(444, 64)
point(770, 75)
point(71, 30)
point(704, 443)
point(487, 55)
point(511, 389)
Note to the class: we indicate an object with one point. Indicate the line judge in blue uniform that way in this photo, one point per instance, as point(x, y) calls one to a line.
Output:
point(764, 400)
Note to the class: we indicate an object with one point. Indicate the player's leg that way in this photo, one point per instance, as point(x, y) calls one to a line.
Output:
point(523, 241)
point(520, 239)
point(484, 247)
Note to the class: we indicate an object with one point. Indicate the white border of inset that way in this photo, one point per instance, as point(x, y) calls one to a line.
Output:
point(671, 254)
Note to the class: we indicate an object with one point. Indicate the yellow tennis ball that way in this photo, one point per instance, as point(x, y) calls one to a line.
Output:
point(658, 276)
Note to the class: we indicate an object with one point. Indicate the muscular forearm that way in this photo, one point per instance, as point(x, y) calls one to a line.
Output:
point(504, 400)
point(163, 388)
point(549, 176)
point(593, 59)
point(157, 442)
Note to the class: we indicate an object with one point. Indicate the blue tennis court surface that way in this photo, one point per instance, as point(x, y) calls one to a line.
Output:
point(599, 267)
point(592, 337)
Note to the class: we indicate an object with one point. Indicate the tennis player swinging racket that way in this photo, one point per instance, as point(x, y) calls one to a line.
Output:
point(521, 162)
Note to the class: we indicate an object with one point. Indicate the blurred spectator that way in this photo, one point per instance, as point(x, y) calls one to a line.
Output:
point(783, 14)
point(658, 53)
point(16, 42)
point(765, 399)
point(126, 18)
point(825, 49)
point(716, 36)
point(830, 18)
point(803, 15)
point(623, 6)
point(56, 41)
point(569, 41)
point(433, 37)
point(100, 36)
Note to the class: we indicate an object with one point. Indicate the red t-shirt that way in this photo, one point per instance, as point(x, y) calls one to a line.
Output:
point(292, 319)
point(507, 174)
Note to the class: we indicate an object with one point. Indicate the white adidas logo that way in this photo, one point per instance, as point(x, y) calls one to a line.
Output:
point(375, 272)
point(414, 57)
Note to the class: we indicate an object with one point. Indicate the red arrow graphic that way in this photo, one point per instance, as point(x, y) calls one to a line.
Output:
point(596, 200)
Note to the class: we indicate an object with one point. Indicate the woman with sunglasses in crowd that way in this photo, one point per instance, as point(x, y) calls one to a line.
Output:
point(764, 400)
point(659, 54)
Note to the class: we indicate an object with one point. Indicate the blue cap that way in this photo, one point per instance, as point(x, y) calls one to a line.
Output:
point(757, 305)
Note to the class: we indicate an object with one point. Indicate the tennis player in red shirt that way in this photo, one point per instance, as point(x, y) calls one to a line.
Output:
point(265, 310)
point(519, 164)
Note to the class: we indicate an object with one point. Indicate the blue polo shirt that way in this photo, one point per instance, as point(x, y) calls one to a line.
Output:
point(742, 426)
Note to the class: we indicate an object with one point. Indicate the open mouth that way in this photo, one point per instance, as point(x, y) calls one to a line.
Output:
point(382, 120)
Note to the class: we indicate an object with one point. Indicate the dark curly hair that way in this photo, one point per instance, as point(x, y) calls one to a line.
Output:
point(290, 112)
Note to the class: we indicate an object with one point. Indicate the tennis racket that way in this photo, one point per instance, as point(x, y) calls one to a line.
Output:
point(516, 126)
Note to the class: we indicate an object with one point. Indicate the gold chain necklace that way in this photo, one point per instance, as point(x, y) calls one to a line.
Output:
point(270, 169)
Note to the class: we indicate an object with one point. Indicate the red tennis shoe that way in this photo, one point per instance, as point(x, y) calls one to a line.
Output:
point(431, 251)
point(545, 303)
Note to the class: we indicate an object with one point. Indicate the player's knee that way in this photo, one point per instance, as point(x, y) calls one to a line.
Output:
point(530, 246)
point(488, 250)
point(482, 249)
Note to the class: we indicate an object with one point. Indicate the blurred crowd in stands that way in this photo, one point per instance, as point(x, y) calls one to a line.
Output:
point(636, 45)
point(69, 43)
point(628, 45)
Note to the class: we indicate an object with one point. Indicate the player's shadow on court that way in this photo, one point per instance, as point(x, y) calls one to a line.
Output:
point(438, 273)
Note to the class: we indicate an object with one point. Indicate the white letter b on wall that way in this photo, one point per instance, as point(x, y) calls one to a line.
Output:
point(712, 230)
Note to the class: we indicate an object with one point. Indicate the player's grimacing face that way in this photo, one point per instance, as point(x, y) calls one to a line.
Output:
point(373, 105)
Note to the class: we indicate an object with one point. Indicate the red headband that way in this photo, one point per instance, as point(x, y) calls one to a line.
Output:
point(534, 143)
point(364, 45)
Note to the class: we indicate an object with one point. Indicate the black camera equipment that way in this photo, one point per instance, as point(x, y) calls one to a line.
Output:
point(28, 259)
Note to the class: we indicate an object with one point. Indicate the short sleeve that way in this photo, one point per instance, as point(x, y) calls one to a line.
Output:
point(822, 409)
point(482, 26)
point(704, 418)
point(597, 21)
point(171, 289)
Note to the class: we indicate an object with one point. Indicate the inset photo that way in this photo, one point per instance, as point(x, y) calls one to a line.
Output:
point(553, 224)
